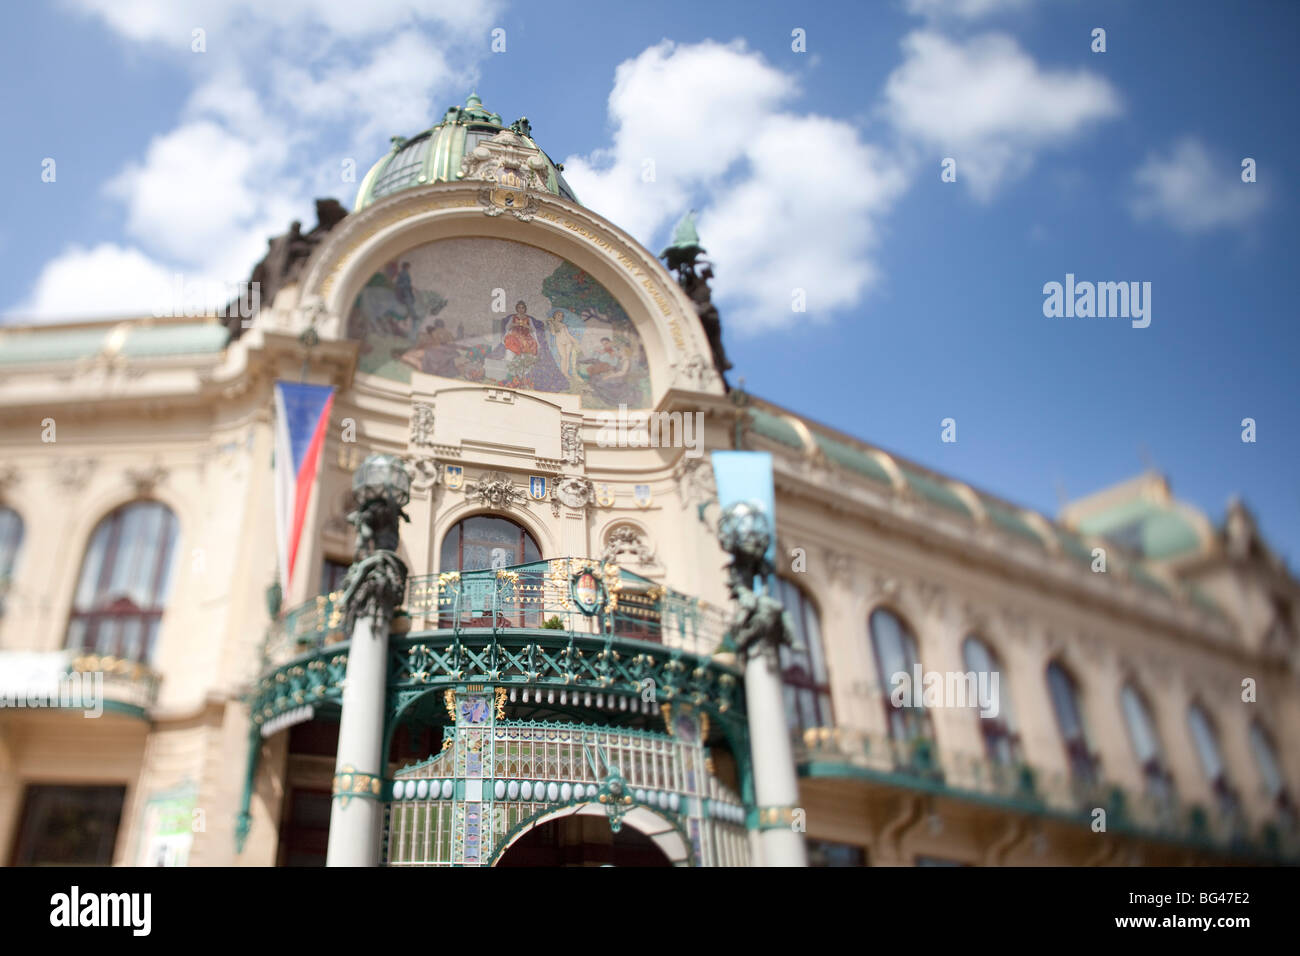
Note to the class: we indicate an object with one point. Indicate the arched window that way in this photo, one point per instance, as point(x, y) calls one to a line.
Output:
point(11, 539)
point(1206, 739)
point(1146, 742)
point(807, 686)
point(487, 541)
point(1069, 719)
point(1001, 737)
point(124, 580)
point(1270, 771)
point(482, 542)
point(895, 651)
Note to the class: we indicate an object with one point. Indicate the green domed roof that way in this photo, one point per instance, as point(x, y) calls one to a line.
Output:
point(435, 155)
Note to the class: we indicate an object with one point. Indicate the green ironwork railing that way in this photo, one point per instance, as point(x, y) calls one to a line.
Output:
point(539, 595)
point(918, 763)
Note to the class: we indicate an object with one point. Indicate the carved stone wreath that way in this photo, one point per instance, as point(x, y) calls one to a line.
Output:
point(426, 471)
point(574, 492)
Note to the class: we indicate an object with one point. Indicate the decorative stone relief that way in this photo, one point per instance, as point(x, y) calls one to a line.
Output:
point(144, 480)
point(573, 491)
point(8, 478)
point(349, 457)
point(839, 566)
point(72, 474)
point(695, 482)
point(422, 425)
point(309, 314)
point(626, 540)
point(495, 490)
point(571, 443)
point(511, 169)
point(696, 373)
point(426, 471)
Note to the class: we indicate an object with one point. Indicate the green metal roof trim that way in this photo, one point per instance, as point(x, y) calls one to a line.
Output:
point(935, 491)
point(774, 427)
point(1007, 519)
point(1074, 546)
point(435, 155)
point(1141, 576)
point(1157, 530)
point(1203, 600)
point(854, 459)
point(64, 345)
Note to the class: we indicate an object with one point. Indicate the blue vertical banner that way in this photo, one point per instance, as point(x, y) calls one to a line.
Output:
point(747, 476)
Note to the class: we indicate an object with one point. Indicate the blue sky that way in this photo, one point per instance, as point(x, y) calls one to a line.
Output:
point(816, 170)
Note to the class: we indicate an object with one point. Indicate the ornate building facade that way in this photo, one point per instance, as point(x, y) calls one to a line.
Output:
point(558, 685)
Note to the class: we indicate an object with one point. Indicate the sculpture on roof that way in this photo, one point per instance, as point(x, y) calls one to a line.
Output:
point(693, 274)
point(286, 256)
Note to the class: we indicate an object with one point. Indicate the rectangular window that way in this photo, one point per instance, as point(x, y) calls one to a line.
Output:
point(828, 853)
point(69, 826)
point(331, 576)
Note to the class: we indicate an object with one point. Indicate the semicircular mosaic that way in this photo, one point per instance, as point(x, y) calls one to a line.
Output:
point(501, 313)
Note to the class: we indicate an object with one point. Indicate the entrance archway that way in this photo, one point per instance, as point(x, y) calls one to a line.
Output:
point(581, 836)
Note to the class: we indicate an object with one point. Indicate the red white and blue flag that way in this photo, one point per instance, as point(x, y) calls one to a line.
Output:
point(302, 415)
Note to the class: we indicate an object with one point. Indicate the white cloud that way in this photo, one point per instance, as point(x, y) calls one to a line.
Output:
point(106, 280)
point(170, 22)
point(198, 190)
point(1194, 192)
point(709, 118)
point(389, 92)
point(771, 234)
point(285, 93)
point(988, 104)
point(682, 116)
point(962, 9)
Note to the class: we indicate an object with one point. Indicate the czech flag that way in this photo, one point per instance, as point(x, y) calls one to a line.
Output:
point(302, 414)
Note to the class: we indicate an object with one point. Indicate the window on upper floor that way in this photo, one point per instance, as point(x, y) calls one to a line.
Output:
point(331, 575)
point(487, 541)
point(11, 540)
point(125, 577)
point(1069, 720)
point(807, 685)
point(479, 543)
point(1146, 742)
point(1001, 736)
point(1270, 771)
point(894, 647)
point(1206, 739)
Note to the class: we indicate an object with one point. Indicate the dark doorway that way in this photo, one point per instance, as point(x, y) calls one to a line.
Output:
point(305, 834)
point(583, 841)
point(69, 826)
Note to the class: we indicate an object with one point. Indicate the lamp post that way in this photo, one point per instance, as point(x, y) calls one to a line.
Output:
point(372, 589)
point(758, 631)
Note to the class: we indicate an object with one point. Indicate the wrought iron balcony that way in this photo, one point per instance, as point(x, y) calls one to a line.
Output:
point(634, 646)
point(1017, 786)
point(535, 596)
point(72, 680)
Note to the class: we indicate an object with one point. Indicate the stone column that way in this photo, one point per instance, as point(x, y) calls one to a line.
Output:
point(757, 633)
point(375, 585)
point(776, 788)
point(356, 817)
